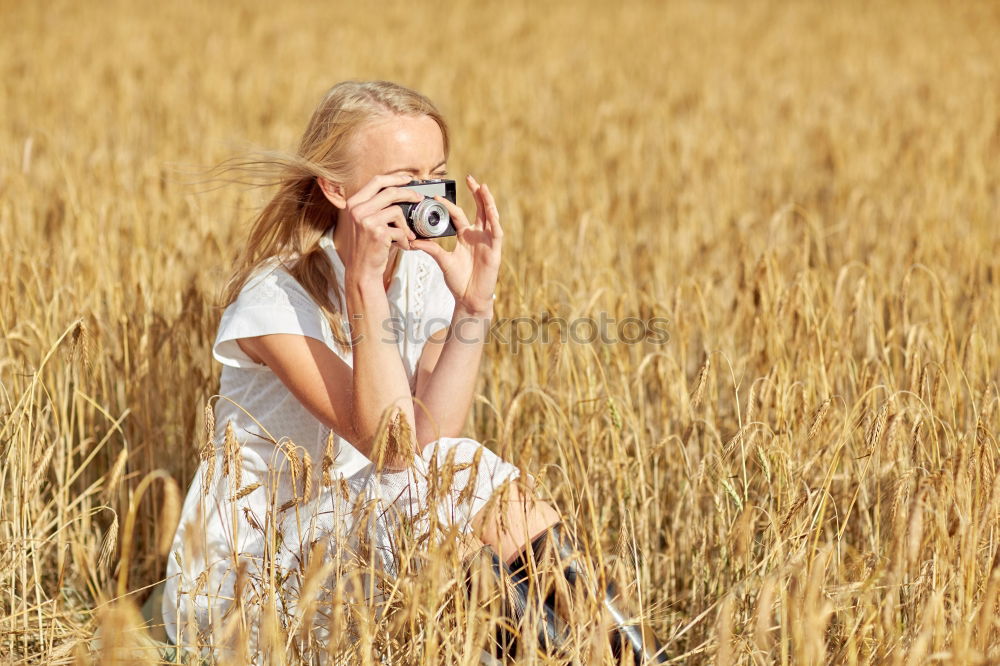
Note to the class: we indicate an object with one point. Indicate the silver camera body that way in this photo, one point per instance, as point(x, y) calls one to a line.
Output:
point(429, 218)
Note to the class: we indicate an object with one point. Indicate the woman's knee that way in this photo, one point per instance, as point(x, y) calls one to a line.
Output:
point(512, 518)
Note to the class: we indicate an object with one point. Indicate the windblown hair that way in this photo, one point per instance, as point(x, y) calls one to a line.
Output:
point(289, 227)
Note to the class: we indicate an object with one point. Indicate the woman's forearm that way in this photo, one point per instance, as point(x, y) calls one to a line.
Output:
point(444, 400)
point(379, 379)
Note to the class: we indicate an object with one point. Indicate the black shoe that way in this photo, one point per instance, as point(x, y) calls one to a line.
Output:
point(556, 542)
point(516, 604)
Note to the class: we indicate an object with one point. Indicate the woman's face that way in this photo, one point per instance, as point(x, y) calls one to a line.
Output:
point(411, 145)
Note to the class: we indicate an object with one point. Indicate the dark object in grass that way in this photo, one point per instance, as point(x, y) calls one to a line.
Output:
point(555, 542)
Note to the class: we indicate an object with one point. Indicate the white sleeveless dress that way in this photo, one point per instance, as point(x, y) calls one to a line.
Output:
point(293, 477)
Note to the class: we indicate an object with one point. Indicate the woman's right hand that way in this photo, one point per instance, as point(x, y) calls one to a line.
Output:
point(375, 223)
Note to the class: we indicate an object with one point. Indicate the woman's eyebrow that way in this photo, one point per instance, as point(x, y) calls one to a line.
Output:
point(416, 170)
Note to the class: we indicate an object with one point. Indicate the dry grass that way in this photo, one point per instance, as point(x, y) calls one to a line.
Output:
point(806, 472)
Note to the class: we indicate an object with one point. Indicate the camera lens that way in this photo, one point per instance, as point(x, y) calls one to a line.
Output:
point(429, 219)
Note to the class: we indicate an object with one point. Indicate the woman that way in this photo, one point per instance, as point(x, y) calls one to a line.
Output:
point(350, 351)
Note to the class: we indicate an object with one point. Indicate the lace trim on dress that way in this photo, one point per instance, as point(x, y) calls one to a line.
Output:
point(419, 294)
point(423, 274)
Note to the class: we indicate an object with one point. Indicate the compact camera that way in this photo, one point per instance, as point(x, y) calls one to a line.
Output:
point(428, 218)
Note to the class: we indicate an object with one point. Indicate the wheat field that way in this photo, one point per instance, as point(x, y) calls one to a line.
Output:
point(807, 193)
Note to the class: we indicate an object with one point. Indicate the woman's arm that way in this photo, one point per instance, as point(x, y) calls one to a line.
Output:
point(317, 377)
point(446, 375)
point(380, 383)
point(447, 370)
point(353, 401)
point(324, 383)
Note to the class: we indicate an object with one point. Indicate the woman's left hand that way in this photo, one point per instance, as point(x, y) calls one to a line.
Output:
point(471, 269)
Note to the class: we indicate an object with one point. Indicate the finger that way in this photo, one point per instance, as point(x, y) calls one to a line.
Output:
point(379, 182)
point(485, 211)
point(391, 216)
point(430, 247)
point(477, 194)
point(387, 197)
point(399, 238)
point(472, 183)
point(492, 214)
point(458, 218)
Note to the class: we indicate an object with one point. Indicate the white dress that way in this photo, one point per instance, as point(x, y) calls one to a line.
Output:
point(272, 479)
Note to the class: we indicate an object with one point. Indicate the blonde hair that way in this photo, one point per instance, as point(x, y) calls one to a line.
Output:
point(290, 226)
